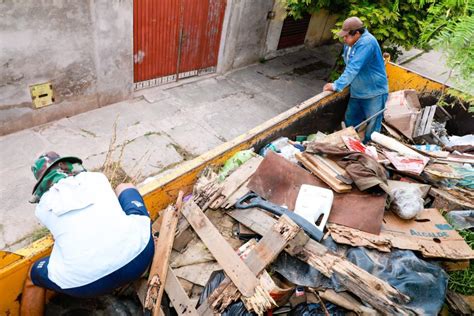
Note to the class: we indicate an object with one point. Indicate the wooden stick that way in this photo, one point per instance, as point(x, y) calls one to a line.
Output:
point(266, 250)
point(178, 296)
point(234, 267)
point(370, 289)
point(159, 266)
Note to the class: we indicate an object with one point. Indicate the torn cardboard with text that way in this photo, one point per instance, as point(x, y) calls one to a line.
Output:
point(429, 233)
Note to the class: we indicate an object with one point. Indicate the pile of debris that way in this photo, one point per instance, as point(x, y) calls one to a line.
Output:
point(323, 225)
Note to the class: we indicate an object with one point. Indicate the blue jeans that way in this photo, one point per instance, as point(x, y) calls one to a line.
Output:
point(360, 109)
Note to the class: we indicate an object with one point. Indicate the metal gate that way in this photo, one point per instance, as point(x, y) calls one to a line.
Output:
point(175, 39)
point(293, 32)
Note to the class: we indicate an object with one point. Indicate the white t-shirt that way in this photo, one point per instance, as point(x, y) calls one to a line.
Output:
point(93, 235)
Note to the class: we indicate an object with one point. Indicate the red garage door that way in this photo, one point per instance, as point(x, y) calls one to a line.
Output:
point(174, 39)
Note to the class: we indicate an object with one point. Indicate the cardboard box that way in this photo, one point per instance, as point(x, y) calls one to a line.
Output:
point(402, 111)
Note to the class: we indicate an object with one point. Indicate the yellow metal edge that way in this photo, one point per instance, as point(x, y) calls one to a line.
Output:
point(401, 78)
point(7, 258)
point(13, 275)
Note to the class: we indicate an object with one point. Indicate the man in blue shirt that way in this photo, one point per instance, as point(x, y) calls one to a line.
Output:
point(364, 73)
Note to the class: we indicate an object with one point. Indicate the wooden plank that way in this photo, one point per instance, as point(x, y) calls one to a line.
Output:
point(159, 266)
point(178, 296)
point(447, 201)
point(345, 300)
point(234, 197)
point(370, 289)
point(231, 184)
point(236, 179)
point(264, 253)
point(323, 173)
point(458, 304)
point(234, 267)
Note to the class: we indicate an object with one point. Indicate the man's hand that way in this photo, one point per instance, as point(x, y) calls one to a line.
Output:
point(329, 87)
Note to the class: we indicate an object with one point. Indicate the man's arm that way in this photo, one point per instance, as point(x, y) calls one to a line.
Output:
point(352, 69)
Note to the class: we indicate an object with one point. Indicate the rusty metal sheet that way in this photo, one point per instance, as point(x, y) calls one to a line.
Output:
point(201, 33)
point(155, 38)
point(175, 38)
point(279, 180)
point(360, 210)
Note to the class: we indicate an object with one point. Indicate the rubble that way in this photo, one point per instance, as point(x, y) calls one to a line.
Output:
point(234, 256)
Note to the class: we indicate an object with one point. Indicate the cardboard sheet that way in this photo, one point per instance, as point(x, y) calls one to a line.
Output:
point(408, 164)
point(429, 233)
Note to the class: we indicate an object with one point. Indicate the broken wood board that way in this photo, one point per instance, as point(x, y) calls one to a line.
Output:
point(449, 200)
point(458, 265)
point(196, 252)
point(178, 296)
point(429, 233)
point(186, 285)
point(458, 303)
point(370, 289)
point(232, 183)
point(346, 301)
point(234, 267)
point(424, 126)
point(323, 172)
point(234, 197)
point(236, 179)
point(159, 266)
point(264, 253)
point(197, 273)
point(278, 180)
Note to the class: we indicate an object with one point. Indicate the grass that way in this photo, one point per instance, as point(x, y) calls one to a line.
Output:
point(112, 168)
point(463, 281)
point(39, 233)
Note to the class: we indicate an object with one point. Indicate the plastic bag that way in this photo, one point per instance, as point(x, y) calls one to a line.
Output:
point(234, 309)
point(234, 162)
point(283, 147)
point(461, 219)
point(313, 309)
point(407, 201)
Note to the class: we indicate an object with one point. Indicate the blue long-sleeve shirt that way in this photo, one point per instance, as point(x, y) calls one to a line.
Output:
point(365, 69)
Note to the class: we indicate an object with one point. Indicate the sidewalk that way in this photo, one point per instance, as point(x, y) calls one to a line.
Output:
point(160, 128)
point(430, 64)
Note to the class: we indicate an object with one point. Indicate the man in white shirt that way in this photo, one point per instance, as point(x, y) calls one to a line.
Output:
point(102, 239)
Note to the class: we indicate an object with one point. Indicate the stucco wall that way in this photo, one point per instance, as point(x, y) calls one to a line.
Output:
point(83, 47)
point(244, 33)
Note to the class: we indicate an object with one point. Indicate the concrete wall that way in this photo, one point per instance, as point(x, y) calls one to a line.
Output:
point(244, 33)
point(319, 30)
point(83, 47)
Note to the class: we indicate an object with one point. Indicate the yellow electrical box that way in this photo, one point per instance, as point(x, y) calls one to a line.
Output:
point(42, 94)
